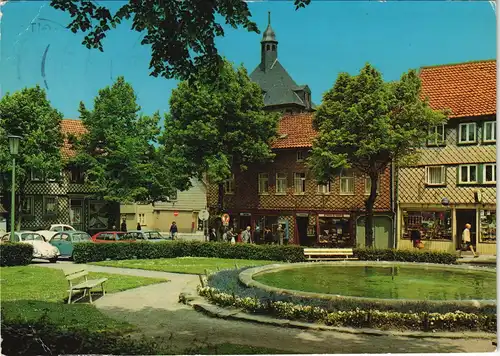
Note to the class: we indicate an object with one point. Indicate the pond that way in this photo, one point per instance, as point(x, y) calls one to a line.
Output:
point(387, 282)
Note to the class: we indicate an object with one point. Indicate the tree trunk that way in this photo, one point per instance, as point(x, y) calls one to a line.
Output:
point(370, 201)
point(220, 199)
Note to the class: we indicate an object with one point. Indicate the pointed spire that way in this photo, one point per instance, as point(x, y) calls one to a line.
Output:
point(269, 35)
point(269, 18)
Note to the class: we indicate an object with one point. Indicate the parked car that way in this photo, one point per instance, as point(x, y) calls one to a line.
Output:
point(65, 240)
point(53, 229)
point(148, 235)
point(41, 248)
point(113, 236)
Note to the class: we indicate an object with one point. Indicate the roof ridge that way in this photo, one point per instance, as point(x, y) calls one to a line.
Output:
point(459, 63)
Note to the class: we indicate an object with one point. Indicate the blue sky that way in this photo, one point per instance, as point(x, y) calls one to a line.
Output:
point(315, 44)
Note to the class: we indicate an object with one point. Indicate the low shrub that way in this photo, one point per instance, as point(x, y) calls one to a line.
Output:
point(358, 318)
point(371, 254)
point(15, 254)
point(86, 252)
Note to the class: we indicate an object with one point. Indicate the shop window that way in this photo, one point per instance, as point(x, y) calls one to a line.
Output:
point(467, 132)
point(142, 219)
point(263, 183)
point(438, 135)
point(325, 188)
point(467, 174)
point(432, 224)
point(28, 206)
point(299, 183)
point(229, 185)
point(300, 156)
point(368, 185)
point(490, 173)
point(347, 182)
point(37, 175)
point(281, 183)
point(435, 175)
point(335, 232)
point(490, 131)
point(488, 223)
point(49, 205)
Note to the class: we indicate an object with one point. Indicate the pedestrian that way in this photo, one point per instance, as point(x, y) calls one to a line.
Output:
point(113, 228)
point(257, 235)
point(173, 230)
point(229, 235)
point(269, 236)
point(123, 226)
point(246, 236)
point(280, 234)
point(238, 238)
point(466, 239)
point(139, 225)
point(213, 236)
point(415, 237)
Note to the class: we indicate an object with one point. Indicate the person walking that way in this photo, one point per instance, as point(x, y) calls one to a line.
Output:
point(466, 240)
point(139, 226)
point(246, 236)
point(269, 236)
point(257, 235)
point(123, 226)
point(173, 230)
point(280, 234)
point(415, 237)
point(212, 237)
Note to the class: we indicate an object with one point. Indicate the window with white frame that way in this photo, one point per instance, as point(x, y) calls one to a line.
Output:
point(438, 135)
point(490, 131)
point(281, 183)
point(347, 181)
point(50, 205)
point(325, 188)
point(28, 206)
point(36, 175)
point(52, 177)
point(368, 185)
point(300, 156)
point(142, 219)
point(435, 175)
point(467, 174)
point(229, 185)
point(467, 132)
point(299, 183)
point(490, 173)
point(263, 183)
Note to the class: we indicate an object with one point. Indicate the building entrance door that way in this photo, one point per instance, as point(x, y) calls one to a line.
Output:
point(466, 217)
point(76, 214)
point(302, 223)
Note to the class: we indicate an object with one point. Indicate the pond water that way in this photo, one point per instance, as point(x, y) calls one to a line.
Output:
point(396, 282)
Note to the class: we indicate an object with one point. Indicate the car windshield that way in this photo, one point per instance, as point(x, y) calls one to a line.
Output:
point(155, 235)
point(81, 237)
point(30, 236)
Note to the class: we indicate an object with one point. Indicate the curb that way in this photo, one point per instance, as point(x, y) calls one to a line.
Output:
point(237, 314)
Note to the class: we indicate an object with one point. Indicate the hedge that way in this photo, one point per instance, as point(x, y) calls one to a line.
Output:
point(357, 318)
point(93, 252)
point(371, 254)
point(15, 254)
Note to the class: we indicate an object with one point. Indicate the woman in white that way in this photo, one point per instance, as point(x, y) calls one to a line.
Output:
point(466, 239)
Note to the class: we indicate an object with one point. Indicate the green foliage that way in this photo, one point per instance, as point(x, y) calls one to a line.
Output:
point(217, 126)
point(84, 253)
point(371, 254)
point(118, 153)
point(15, 254)
point(357, 318)
point(181, 34)
point(365, 123)
point(28, 113)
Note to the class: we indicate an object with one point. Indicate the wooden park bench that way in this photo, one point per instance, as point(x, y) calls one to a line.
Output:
point(79, 275)
point(327, 254)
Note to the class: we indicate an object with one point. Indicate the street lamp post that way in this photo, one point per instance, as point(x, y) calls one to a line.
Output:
point(14, 150)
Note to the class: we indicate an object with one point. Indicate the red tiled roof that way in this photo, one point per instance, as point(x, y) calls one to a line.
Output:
point(70, 126)
point(295, 130)
point(467, 89)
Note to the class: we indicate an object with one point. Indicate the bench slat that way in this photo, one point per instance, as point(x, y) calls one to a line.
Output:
point(76, 275)
point(90, 283)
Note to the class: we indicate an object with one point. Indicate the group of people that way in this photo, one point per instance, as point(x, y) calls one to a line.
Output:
point(246, 236)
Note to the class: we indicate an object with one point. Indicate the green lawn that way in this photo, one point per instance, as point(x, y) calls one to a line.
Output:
point(28, 292)
point(193, 265)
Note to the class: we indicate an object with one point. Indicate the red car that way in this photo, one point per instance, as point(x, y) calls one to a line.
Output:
point(113, 236)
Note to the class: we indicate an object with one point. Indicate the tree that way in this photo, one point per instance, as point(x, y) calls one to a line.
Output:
point(118, 152)
point(181, 33)
point(28, 113)
point(365, 123)
point(217, 126)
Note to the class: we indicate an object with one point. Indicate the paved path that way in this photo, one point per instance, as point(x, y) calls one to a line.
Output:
point(155, 310)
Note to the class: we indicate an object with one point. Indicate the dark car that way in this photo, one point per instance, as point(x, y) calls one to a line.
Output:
point(65, 240)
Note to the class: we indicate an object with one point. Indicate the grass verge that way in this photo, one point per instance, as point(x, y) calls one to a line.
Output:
point(191, 265)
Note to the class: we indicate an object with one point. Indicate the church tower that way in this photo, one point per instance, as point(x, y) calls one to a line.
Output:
point(269, 46)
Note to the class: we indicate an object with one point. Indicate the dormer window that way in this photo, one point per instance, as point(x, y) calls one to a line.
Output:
point(300, 156)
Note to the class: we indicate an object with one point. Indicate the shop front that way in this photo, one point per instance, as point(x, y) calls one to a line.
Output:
point(435, 226)
point(335, 230)
point(487, 232)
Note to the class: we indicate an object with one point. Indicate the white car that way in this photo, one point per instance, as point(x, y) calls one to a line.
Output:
point(41, 248)
point(55, 228)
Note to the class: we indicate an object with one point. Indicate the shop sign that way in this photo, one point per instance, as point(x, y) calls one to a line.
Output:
point(346, 215)
point(302, 215)
point(334, 215)
point(245, 214)
point(225, 219)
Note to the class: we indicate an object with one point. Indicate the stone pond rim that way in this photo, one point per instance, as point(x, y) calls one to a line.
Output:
point(246, 277)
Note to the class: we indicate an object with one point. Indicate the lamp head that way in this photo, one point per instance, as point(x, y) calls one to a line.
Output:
point(14, 144)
